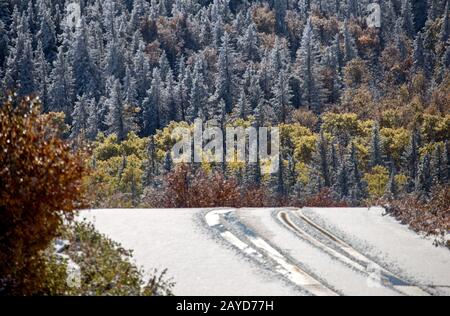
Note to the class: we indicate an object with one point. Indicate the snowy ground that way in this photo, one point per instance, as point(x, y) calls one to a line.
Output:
point(250, 252)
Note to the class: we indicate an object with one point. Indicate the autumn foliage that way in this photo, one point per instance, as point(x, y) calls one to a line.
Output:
point(186, 187)
point(40, 187)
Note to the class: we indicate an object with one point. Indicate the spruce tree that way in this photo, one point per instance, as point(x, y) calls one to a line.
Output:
point(376, 155)
point(61, 90)
point(350, 51)
point(424, 179)
point(226, 79)
point(119, 120)
point(152, 105)
point(282, 96)
point(418, 54)
point(309, 70)
point(411, 159)
point(407, 21)
point(444, 34)
point(80, 117)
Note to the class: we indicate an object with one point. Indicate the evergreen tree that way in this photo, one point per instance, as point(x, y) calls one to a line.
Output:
point(168, 163)
point(418, 55)
point(376, 156)
point(249, 43)
point(444, 34)
point(61, 90)
point(280, 7)
point(85, 72)
point(80, 117)
point(411, 159)
point(120, 121)
point(3, 47)
point(342, 187)
point(321, 161)
point(152, 105)
point(446, 162)
point(420, 13)
point(282, 96)
point(350, 51)
point(225, 83)
point(407, 21)
point(392, 188)
point(424, 180)
point(198, 95)
point(41, 73)
point(93, 120)
point(47, 35)
point(309, 70)
point(358, 187)
point(437, 166)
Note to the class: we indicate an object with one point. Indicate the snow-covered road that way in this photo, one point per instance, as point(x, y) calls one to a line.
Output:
point(250, 252)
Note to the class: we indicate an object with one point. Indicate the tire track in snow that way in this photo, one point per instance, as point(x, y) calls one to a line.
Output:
point(261, 251)
point(353, 258)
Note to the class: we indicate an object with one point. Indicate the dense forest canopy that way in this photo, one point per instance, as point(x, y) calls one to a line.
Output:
point(362, 109)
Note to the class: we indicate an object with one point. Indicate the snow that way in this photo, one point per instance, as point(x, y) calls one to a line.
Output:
point(386, 240)
point(250, 252)
point(178, 240)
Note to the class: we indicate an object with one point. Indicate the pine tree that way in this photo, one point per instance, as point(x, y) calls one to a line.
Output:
point(446, 162)
point(120, 121)
point(86, 74)
point(388, 21)
point(168, 163)
point(418, 55)
point(420, 13)
point(152, 105)
point(47, 36)
point(392, 188)
point(170, 105)
point(141, 68)
point(350, 51)
point(61, 90)
point(411, 159)
point(183, 88)
point(376, 156)
point(3, 47)
point(407, 21)
point(321, 161)
point(341, 187)
point(358, 187)
point(242, 109)
point(444, 34)
point(41, 73)
point(280, 7)
point(198, 94)
point(80, 117)
point(437, 166)
point(93, 120)
point(151, 165)
point(424, 179)
point(225, 83)
point(249, 43)
point(5, 13)
point(309, 70)
point(282, 96)
point(435, 9)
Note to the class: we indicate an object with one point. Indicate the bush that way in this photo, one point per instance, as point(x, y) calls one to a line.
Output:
point(431, 217)
point(188, 188)
point(40, 187)
point(107, 268)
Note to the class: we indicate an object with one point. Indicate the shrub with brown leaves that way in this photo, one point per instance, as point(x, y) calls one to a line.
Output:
point(40, 187)
point(431, 217)
point(188, 188)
